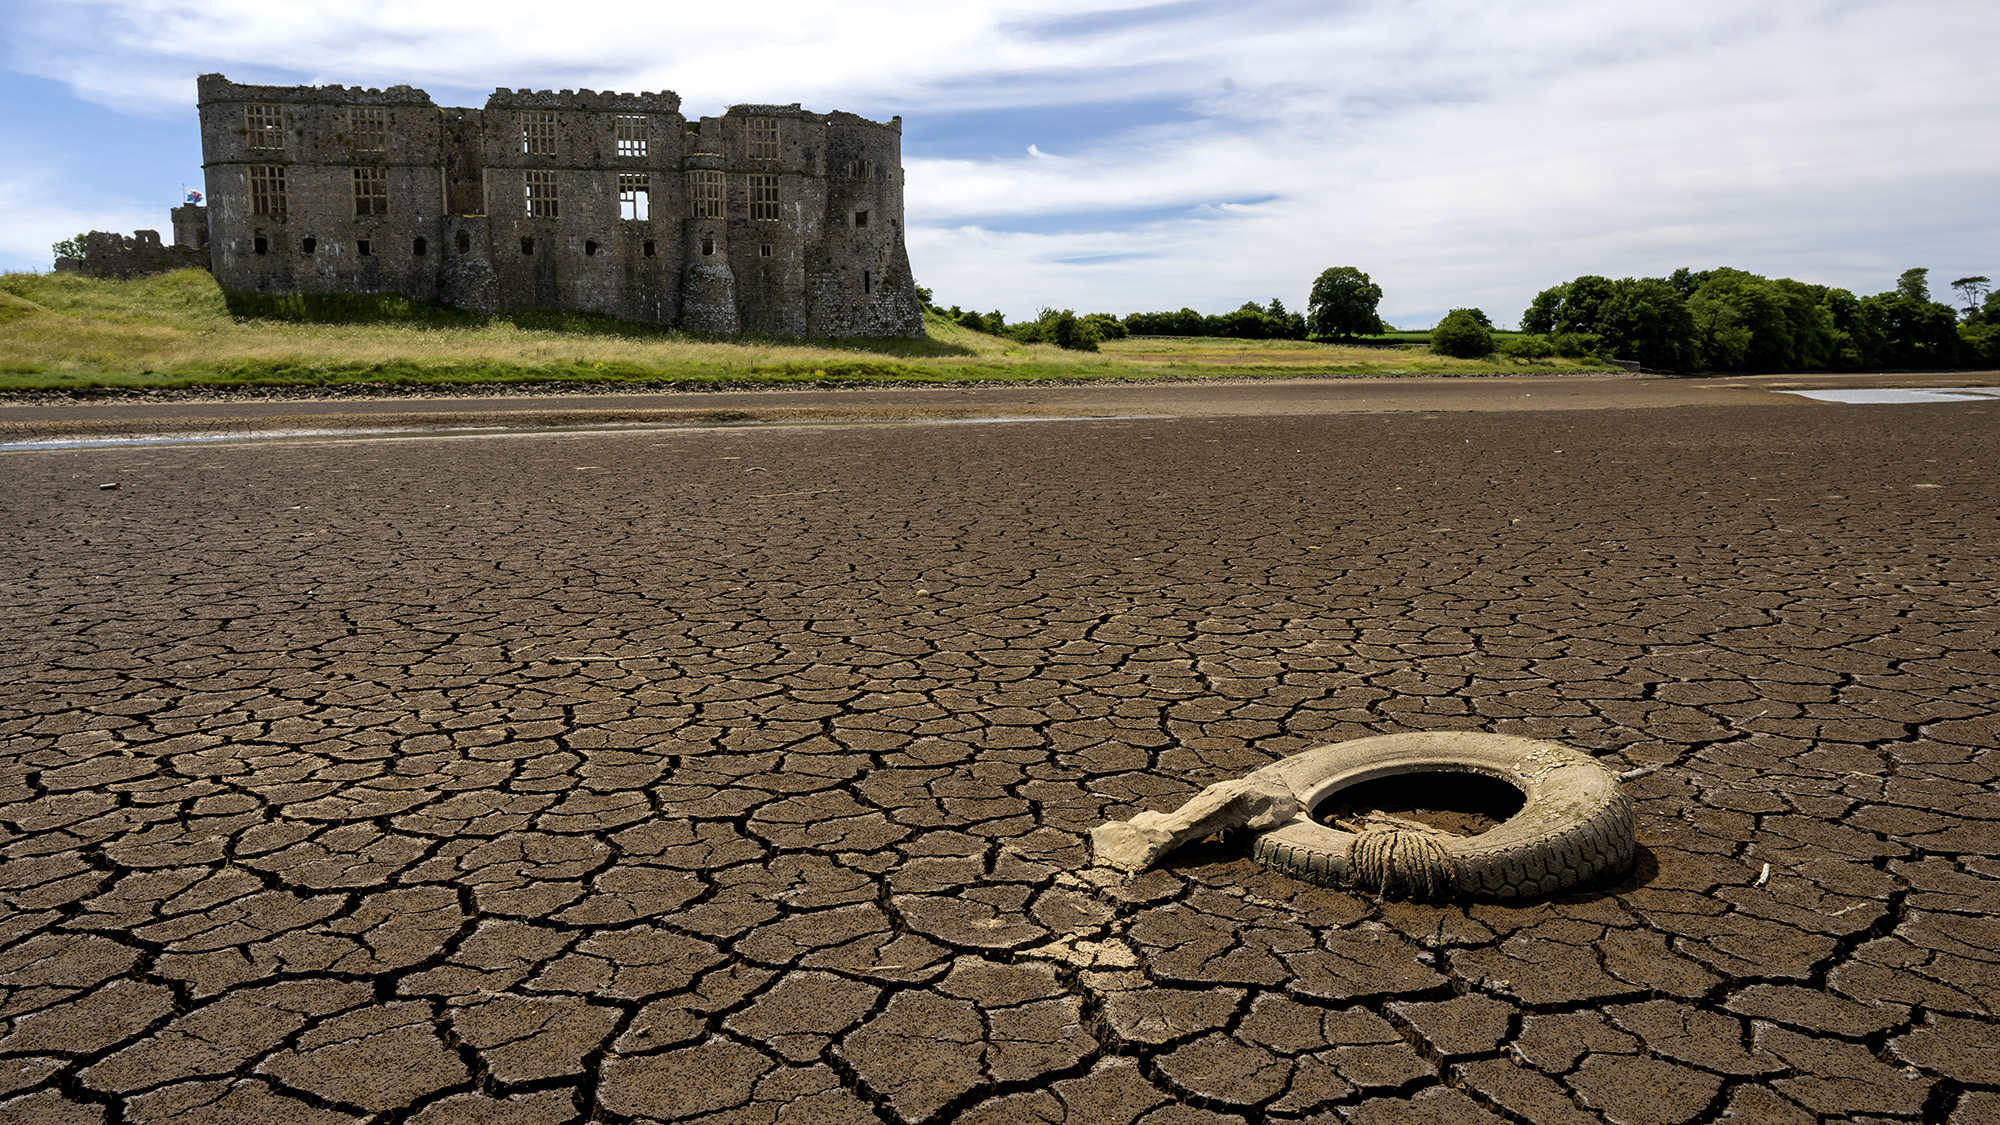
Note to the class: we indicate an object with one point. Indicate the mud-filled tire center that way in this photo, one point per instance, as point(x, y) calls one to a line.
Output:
point(1450, 814)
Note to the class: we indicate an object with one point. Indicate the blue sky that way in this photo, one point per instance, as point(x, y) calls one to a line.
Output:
point(1123, 157)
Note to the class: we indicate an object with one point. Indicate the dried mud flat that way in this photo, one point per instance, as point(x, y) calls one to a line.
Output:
point(742, 775)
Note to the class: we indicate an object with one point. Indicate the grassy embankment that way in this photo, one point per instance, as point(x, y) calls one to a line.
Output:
point(177, 330)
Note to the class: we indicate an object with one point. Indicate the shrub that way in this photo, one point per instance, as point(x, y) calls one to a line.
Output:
point(1104, 326)
point(1461, 335)
point(1979, 344)
point(1527, 347)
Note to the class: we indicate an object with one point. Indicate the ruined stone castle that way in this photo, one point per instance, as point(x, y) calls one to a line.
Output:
point(767, 219)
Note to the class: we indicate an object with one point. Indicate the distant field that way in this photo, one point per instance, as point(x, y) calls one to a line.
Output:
point(175, 331)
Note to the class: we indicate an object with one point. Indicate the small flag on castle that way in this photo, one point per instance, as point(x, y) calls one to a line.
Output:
point(193, 196)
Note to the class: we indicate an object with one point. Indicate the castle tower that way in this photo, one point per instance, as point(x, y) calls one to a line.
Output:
point(708, 286)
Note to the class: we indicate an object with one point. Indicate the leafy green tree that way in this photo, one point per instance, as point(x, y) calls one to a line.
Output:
point(1343, 304)
point(1635, 318)
point(1461, 335)
point(1065, 331)
point(1916, 331)
point(1721, 340)
point(1979, 344)
point(1973, 290)
point(70, 247)
point(1857, 336)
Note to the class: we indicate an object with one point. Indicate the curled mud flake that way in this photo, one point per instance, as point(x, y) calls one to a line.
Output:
point(1831, 1076)
point(545, 1107)
point(1686, 1034)
point(1468, 1025)
point(1037, 1038)
point(804, 1013)
point(1221, 1070)
point(632, 892)
point(1812, 1009)
point(706, 1078)
point(1165, 1015)
point(1643, 1091)
point(92, 1022)
point(1522, 1092)
point(1964, 1050)
point(221, 1037)
point(48, 1107)
point(379, 1058)
point(523, 1039)
point(65, 961)
point(498, 955)
point(1438, 1105)
point(628, 964)
point(922, 1052)
point(253, 918)
point(985, 918)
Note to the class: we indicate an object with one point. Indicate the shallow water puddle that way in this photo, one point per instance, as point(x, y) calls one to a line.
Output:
point(1870, 396)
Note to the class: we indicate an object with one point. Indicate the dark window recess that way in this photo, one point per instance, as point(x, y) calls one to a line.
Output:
point(361, 247)
point(860, 218)
point(419, 247)
point(261, 245)
point(309, 245)
point(867, 282)
point(649, 248)
point(464, 242)
point(527, 246)
point(707, 246)
point(589, 248)
point(764, 251)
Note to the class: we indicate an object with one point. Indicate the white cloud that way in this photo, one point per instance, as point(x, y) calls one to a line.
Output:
point(38, 221)
point(1461, 151)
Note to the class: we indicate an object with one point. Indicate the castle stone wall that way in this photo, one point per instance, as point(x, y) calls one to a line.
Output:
point(466, 219)
point(126, 256)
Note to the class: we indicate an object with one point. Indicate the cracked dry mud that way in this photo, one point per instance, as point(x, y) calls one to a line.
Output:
point(547, 779)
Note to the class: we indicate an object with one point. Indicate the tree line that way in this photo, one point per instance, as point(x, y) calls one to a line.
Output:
point(1732, 320)
point(1342, 307)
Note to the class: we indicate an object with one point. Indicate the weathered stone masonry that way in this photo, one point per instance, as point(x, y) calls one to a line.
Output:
point(768, 219)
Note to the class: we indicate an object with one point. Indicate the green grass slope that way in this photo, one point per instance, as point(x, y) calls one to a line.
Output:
point(179, 330)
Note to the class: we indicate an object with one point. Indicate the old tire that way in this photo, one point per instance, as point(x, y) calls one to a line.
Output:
point(1574, 828)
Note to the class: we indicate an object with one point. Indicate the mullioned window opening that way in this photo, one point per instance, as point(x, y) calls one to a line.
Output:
point(368, 128)
point(630, 133)
point(538, 132)
point(265, 127)
point(763, 199)
point(635, 196)
point(763, 138)
point(371, 191)
point(541, 195)
point(267, 190)
point(704, 194)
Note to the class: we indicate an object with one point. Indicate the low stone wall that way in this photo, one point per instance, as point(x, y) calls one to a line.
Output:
point(117, 255)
